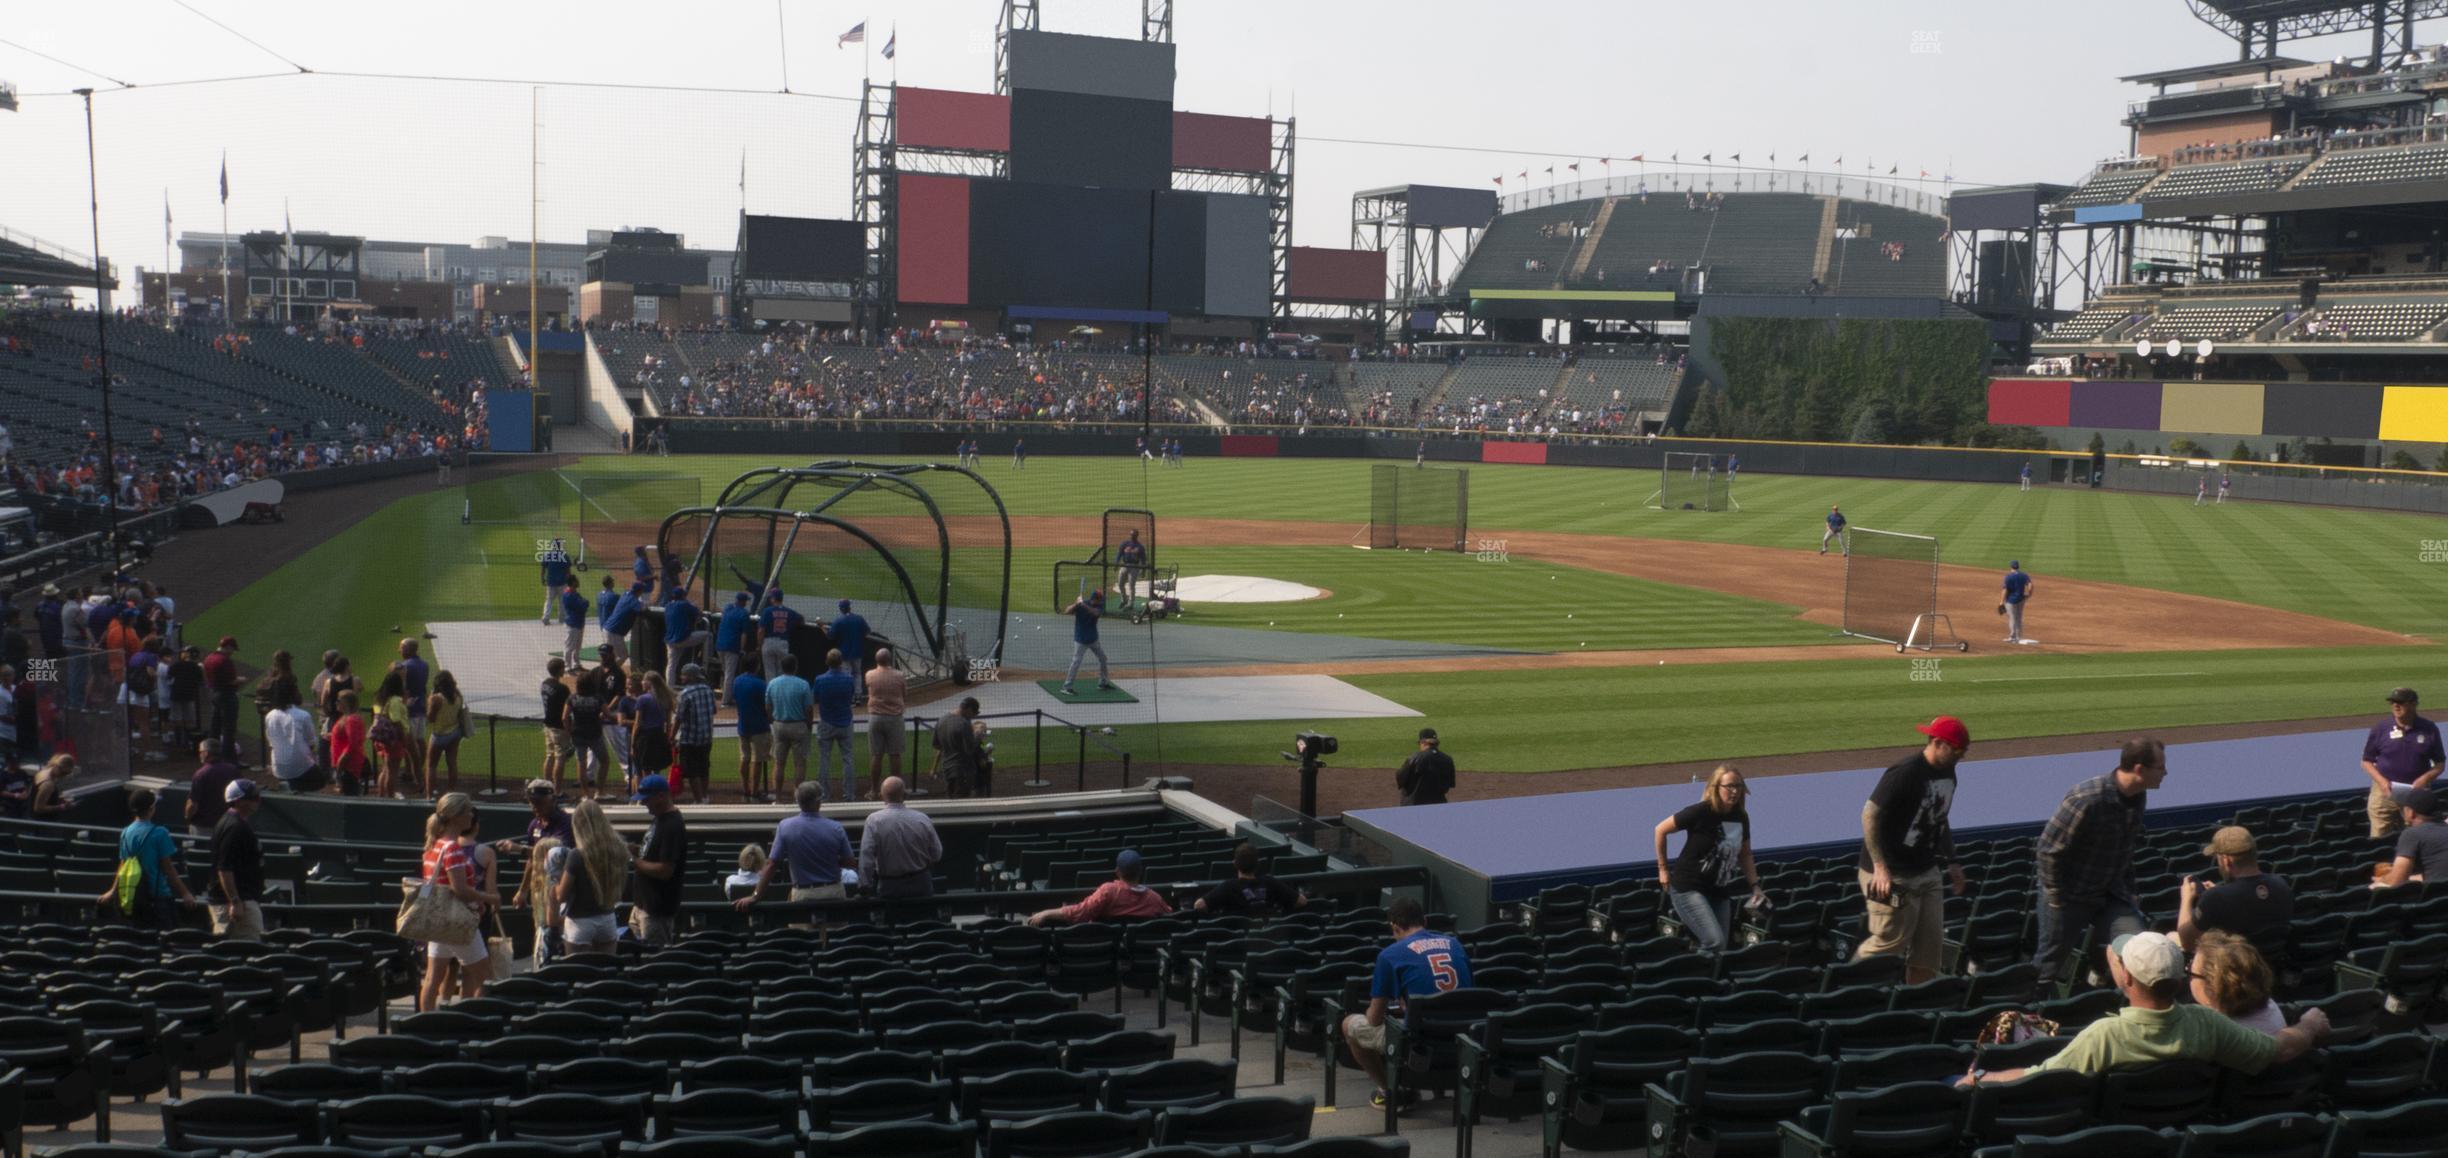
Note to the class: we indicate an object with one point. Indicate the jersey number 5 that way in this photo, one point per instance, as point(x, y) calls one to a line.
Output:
point(1441, 965)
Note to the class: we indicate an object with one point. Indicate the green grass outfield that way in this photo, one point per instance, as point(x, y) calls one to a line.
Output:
point(414, 562)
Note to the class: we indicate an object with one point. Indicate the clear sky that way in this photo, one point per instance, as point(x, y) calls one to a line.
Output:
point(1435, 91)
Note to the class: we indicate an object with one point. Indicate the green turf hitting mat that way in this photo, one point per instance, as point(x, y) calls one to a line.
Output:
point(1088, 693)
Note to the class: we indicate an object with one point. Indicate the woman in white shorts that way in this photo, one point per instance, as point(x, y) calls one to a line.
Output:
point(591, 881)
point(450, 863)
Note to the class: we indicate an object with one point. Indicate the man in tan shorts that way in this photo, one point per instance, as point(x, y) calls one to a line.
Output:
point(887, 698)
point(1906, 839)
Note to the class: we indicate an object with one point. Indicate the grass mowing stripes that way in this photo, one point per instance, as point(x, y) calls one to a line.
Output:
point(414, 562)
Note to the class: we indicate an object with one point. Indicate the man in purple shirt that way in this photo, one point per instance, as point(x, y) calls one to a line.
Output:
point(2401, 754)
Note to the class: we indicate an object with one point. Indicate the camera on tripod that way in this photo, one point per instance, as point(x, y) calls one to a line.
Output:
point(1309, 747)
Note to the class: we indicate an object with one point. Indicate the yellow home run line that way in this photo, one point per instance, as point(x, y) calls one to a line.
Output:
point(2137, 675)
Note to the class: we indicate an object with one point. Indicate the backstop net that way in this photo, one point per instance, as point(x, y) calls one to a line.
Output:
point(1689, 481)
point(922, 552)
point(617, 513)
point(1415, 507)
point(1891, 591)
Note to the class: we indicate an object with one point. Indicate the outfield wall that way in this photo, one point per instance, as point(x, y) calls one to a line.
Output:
point(2381, 490)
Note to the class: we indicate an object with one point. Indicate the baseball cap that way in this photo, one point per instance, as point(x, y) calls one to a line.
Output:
point(1129, 860)
point(1428, 733)
point(2152, 958)
point(845, 605)
point(652, 785)
point(742, 597)
point(2017, 564)
point(539, 788)
point(2404, 696)
point(1948, 729)
point(2233, 840)
point(241, 789)
point(2423, 802)
point(690, 669)
point(232, 641)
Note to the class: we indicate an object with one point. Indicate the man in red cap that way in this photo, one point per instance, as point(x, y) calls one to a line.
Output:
point(1906, 839)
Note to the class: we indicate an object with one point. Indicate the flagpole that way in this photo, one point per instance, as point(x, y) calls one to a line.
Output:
point(167, 320)
point(288, 242)
point(229, 318)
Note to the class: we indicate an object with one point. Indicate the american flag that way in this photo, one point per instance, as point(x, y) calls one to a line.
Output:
point(856, 35)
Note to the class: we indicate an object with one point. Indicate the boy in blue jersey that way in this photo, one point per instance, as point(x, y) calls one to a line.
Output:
point(1418, 963)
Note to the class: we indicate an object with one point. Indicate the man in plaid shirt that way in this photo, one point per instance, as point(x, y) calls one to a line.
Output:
point(2087, 854)
point(693, 732)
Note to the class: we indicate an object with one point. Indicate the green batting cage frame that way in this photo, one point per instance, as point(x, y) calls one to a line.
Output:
point(1104, 570)
point(922, 550)
point(1690, 481)
point(1418, 507)
point(1891, 591)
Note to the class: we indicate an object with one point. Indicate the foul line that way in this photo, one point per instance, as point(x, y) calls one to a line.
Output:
point(2138, 675)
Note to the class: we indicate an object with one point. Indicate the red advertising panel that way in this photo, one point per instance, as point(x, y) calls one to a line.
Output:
point(1249, 446)
point(934, 239)
point(1534, 453)
point(2030, 401)
point(1208, 141)
point(1336, 275)
point(932, 118)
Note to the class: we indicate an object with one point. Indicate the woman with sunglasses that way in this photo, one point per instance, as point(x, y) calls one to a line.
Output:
point(1716, 854)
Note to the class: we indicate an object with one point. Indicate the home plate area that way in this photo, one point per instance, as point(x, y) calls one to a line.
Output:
point(498, 665)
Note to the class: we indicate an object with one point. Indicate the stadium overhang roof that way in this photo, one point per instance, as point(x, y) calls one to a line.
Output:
point(27, 266)
point(2220, 71)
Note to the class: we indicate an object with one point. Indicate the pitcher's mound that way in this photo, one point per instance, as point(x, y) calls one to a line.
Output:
point(1240, 589)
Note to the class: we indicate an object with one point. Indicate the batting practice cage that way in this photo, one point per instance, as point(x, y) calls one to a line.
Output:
point(1416, 507)
point(1693, 482)
point(921, 551)
point(1891, 591)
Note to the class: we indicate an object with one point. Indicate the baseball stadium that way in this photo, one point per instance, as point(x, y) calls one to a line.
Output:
point(1262, 681)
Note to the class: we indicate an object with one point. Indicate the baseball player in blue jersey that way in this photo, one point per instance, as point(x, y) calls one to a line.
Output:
point(1144, 456)
point(2225, 483)
point(1836, 531)
point(1084, 612)
point(2018, 591)
point(574, 609)
point(1019, 454)
point(556, 565)
point(2026, 476)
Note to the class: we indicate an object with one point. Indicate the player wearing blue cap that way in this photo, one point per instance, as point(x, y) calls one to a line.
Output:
point(849, 632)
point(1084, 612)
point(2018, 590)
point(555, 561)
point(605, 601)
point(573, 620)
point(734, 636)
point(775, 625)
point(684, 633)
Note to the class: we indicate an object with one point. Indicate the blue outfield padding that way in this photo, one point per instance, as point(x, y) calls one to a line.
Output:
point(1522, 844)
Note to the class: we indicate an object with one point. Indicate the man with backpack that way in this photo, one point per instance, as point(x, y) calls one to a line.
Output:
point(148, 870)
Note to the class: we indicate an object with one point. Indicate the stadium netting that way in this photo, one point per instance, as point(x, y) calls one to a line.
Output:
point(1411, 506)
point(1891, 591)
point(1693, 482)
point(617, 513)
